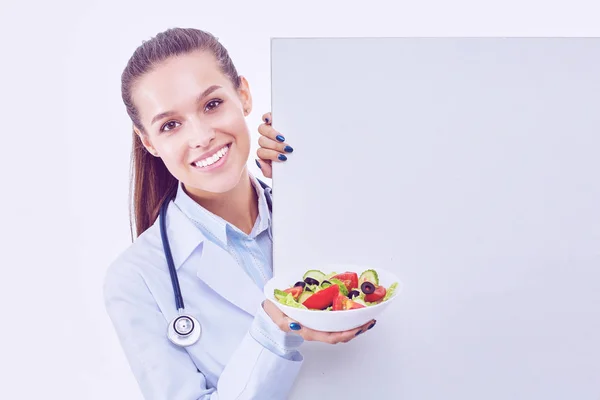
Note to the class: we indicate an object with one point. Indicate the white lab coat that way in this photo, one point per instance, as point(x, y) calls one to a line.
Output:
point(227, 362)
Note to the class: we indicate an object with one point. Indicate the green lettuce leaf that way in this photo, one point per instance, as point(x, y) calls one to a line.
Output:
point(390, 291)
point(343, 288)
point(289, 301)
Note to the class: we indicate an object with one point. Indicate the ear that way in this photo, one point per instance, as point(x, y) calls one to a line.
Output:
point(146, 142)
point(245, 95)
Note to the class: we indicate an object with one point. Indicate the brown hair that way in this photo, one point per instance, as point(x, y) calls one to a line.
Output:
point(151, 183)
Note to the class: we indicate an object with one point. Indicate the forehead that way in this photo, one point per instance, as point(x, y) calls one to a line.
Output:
point(175, 83)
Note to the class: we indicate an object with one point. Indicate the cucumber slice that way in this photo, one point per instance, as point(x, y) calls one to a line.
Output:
point(325, 285)
point(343, 288)
point(304, 296)
point(280, 294)
point(369, 276)
point(315, 274)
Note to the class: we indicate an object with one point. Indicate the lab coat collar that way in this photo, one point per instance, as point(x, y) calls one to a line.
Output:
point(219, 270)
point(214, 266)
point(183, 236)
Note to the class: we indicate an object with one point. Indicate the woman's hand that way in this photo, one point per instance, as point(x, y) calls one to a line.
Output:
point(272, 146)
point(287, 324)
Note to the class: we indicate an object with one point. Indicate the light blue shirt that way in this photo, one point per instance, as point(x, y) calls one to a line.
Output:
point(241, 353)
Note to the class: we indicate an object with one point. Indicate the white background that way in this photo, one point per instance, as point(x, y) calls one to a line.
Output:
point(66, 141)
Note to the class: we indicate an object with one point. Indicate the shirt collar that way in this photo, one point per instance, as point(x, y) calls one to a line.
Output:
point(216, 227)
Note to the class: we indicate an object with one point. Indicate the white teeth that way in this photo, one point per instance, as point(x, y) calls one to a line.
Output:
point(213, 159)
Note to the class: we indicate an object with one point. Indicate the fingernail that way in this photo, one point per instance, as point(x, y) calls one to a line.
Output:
point(359, 332)
point(372, 325)
point(267, 120)
point(295, 326)
point(282, 157)
point(257, 163)
point(288, 149)
point(280, 138)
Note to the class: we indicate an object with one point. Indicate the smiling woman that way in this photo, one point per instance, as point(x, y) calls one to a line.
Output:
point(191, 146)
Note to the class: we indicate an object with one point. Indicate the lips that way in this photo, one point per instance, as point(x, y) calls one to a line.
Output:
point(212, 158)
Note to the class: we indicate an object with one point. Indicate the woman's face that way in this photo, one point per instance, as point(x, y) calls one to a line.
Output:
point(194, 120)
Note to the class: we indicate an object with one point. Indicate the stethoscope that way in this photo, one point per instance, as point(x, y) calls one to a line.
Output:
point(184, 330)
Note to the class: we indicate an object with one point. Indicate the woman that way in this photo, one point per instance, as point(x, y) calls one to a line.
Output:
point(190, 149)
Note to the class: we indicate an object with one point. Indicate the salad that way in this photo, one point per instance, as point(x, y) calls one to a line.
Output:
point(335, 292)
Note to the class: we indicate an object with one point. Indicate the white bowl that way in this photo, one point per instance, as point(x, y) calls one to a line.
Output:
point(332, 321)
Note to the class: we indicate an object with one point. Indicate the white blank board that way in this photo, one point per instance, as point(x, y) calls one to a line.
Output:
point(470, 167)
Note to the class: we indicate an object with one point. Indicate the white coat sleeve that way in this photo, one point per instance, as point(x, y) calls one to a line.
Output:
point(166, 372)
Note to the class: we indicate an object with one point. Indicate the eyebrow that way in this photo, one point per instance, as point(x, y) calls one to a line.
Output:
point(162, 115)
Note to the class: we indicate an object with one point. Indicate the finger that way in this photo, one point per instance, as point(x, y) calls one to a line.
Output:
point(270, 132)
point(268, 143)
point(366, 327)
point(285, 323)
point(272, 155)
point(267, 118)
point(325, 337)
point(353, 333)
point(265, 168)
point(292, 326)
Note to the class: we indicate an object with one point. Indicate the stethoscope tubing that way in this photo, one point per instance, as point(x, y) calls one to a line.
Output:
point(165, 241)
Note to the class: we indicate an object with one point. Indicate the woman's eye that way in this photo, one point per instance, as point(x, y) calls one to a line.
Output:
point(168, 126)
point(213, 104)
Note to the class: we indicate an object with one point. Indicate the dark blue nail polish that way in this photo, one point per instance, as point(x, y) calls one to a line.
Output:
point(257, 163)
point(359, 332)
point(280, 138)
point(295, 326)
point(267, 120)
point(282, 157)
point(288, 149)
point(372, 325)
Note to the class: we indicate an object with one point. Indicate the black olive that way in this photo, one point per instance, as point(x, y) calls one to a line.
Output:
point(367, 287)
point(311, 281)
point(353, 293)
point(325, 282)
point(300, 283)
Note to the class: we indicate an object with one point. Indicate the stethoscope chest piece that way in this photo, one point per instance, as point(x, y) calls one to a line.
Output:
point(184, 330)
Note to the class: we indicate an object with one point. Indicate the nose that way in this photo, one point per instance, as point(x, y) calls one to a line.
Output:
point(200, 135)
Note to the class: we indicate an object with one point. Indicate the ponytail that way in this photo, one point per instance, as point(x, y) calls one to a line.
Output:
point(150, 185)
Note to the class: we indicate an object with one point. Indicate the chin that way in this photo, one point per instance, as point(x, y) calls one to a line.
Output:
point(217, 182)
